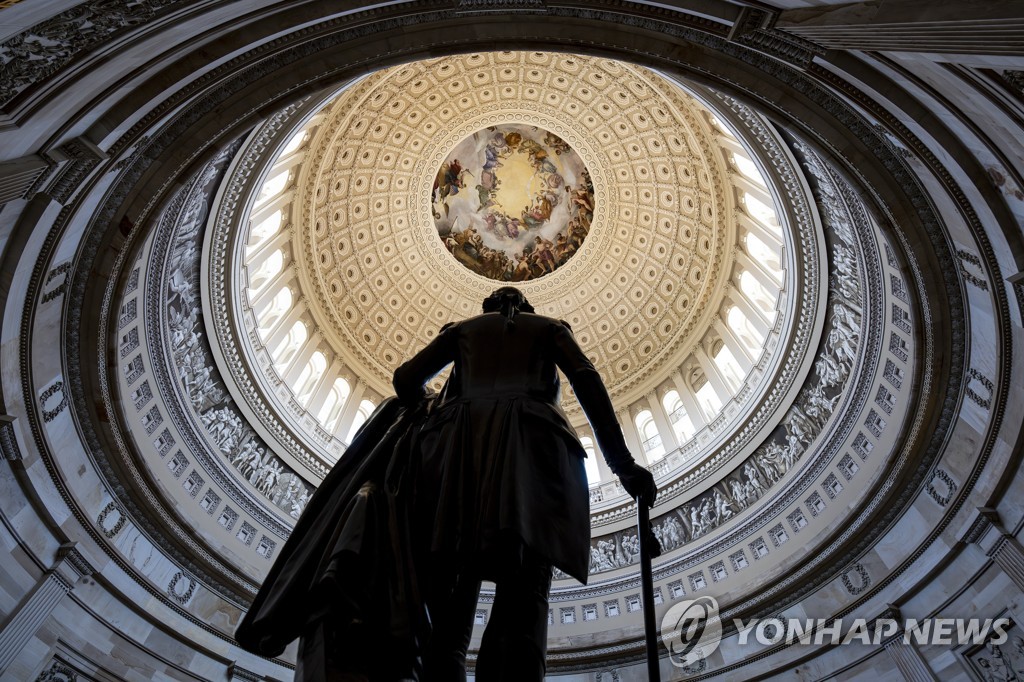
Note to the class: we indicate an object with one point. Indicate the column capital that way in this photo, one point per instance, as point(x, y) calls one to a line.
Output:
point(988, 532)
point(891, 612)
point(68, 568)
point(9, 440)
point(237, 672)
point(71, 564)
point(983, 520)
point(890, 620)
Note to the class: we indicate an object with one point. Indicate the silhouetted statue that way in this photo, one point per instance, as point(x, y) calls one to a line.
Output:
point(484, 481)
point(345, 583)
point(503, 490)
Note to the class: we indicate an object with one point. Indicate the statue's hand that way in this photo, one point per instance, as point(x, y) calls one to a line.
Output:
point(639, 483)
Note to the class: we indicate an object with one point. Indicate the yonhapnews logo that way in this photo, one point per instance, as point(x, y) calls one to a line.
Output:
point(691, 630)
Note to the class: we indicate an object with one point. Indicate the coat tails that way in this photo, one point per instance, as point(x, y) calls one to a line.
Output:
point(343, 556)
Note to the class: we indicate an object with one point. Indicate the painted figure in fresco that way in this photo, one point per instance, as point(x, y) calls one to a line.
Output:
point(581, 200)
point(537, 214)
point(485, 190)
point(450, 179)
point(559, 190)
point(555, 142)
point(546, 259)
point(539, 159)
point(522, 269)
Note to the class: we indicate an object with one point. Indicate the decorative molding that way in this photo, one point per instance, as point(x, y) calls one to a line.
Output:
point(863, 579)
point(101, 520)
point(237, 672)
point(41, 51)
point(72, 161)
point(978, 278)
point(69, 555)
point(985, 519)
point(55, 288)
point(941, 498)
point(1014, 81)
point(58, 671)
point(174, 591)
point(193, 390)
point(9, 440)
point(984, 402)
point(489, 6)
point(50, 411)
point(755, 28)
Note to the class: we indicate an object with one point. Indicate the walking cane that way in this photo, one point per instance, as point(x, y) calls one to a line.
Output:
point(649, 548)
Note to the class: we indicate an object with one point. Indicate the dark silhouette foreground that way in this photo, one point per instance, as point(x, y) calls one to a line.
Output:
point(484, 481)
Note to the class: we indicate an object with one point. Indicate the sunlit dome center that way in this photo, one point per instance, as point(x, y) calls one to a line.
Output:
point(513, 202)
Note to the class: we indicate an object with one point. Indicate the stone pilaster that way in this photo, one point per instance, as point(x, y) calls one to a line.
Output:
point(55, 584)
point(988, 532)
point(8, 440)
point(905, 656)
point(909, 661)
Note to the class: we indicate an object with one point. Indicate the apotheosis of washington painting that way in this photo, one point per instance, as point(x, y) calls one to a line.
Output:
point(513, 202)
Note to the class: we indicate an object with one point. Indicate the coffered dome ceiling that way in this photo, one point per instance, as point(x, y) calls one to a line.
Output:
point(722, 344)
point(353, 239)
point(635, 292)
point(728, 314)
point(793, 285)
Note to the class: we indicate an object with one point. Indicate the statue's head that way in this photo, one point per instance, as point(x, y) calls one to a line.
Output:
point(508, 301)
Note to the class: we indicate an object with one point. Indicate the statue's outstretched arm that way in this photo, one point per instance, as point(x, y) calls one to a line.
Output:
point(412, 375)
point(597, 405)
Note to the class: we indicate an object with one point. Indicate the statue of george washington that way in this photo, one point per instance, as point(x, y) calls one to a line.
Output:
point(484, 481)
point(503, 493)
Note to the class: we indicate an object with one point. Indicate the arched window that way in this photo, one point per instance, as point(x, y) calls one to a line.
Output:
point(272, 187)
point(362, 414)
point(756, 293)
point(281, 303)
point(728, 366)
point(681, 422)
point(287, 349)
point(265, 229)
point(705, 393)
point(293, 144)
point(748, 169)
point(268, 268)
point(747, 333)
point(590, 463)
point(309, 377)
point(760, 211)
point(330, 411)
point(759, 251)
point(654, 448)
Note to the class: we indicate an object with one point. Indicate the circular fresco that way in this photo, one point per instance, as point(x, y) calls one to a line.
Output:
point(513, 202)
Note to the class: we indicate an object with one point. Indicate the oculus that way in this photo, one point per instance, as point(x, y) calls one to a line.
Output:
point(513, 202)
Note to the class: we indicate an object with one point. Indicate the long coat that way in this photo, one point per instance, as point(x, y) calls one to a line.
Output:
point(347, 559)
point(497, 455)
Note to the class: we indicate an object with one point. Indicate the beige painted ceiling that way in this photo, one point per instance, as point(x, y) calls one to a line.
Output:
point(639, 293)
